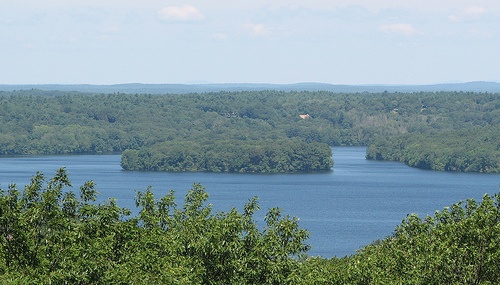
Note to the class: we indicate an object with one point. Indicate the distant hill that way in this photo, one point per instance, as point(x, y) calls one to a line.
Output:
point(476, 86)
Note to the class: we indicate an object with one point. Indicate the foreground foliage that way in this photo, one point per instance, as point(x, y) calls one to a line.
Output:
point(49, 235)
point(458, 245)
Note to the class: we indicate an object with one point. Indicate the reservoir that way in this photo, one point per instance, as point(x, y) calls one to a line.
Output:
point(357, 203)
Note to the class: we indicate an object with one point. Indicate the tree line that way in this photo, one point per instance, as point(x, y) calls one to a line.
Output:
point(52, 235)
point(55, 122)
point(469, 150)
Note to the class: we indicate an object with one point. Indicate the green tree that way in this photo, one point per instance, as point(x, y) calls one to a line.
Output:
point(51, 236)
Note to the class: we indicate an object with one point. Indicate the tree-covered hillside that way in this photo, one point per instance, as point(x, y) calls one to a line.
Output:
point(475, 149)
point(419, 129)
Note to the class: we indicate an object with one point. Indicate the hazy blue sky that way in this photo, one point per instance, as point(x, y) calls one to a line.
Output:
point(233, 41)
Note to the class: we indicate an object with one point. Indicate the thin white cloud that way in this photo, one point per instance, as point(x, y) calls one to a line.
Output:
point(474, 11)
point(110, 29)
point(259, 30)
point(471, 12)
point(219, 36)
point(400, 28)
point(480, 34)
point(73, 39)
point(181, 13)
point(5, 21)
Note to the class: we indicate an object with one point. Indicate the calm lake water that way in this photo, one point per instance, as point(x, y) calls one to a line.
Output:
point(358, 202)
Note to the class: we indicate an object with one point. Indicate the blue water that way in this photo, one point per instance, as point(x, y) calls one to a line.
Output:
point(358, 202)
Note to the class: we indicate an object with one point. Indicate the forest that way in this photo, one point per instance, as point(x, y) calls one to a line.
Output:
point(241, 131)
point(468, 150)
point(52, 235)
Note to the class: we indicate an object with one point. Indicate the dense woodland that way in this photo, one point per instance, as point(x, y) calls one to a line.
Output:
point(269, 156)
point(52, 235)
point(471, 150)
point(453, 131)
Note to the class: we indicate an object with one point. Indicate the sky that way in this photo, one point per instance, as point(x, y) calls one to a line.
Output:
point(233, 41)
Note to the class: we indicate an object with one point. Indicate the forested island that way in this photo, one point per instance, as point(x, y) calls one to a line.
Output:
point(265, 156)
point(52, 235)
point(256, 131)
